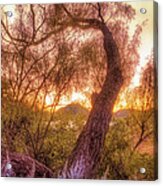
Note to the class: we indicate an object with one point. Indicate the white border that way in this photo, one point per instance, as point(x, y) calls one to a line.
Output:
point(41, 182)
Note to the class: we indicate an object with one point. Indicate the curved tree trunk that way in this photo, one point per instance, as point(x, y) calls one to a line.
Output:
point(84, 158)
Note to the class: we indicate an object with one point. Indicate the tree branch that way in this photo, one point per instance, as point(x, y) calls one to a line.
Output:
point(10, 35)
point(33, 22)
point(99, 12)
point(92, 23)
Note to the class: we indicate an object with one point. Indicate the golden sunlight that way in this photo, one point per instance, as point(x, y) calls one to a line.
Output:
point(82, 99)
point(49, 99)
point(75, 97)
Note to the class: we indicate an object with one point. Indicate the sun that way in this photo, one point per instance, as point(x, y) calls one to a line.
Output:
point(77, 96)
point(49, 99)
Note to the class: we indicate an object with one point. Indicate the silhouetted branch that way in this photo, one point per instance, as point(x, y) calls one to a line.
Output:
point(10, 35)
point(99, 12)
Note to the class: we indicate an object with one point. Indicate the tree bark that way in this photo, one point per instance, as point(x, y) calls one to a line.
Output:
point(83, 161)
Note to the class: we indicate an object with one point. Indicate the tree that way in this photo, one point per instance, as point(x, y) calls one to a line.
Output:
point(145, 99)
point(84, 159)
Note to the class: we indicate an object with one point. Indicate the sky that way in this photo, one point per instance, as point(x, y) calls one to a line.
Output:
point(147, 34)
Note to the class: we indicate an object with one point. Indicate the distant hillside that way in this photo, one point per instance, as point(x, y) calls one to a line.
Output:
point(73, 108)
point(121, 114)
point(126, 113)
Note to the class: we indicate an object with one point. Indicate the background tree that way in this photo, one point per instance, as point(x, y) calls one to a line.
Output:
point(145, 101)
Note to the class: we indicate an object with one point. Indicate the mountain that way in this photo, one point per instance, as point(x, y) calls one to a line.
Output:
point(74, 108)
point(122, 113)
